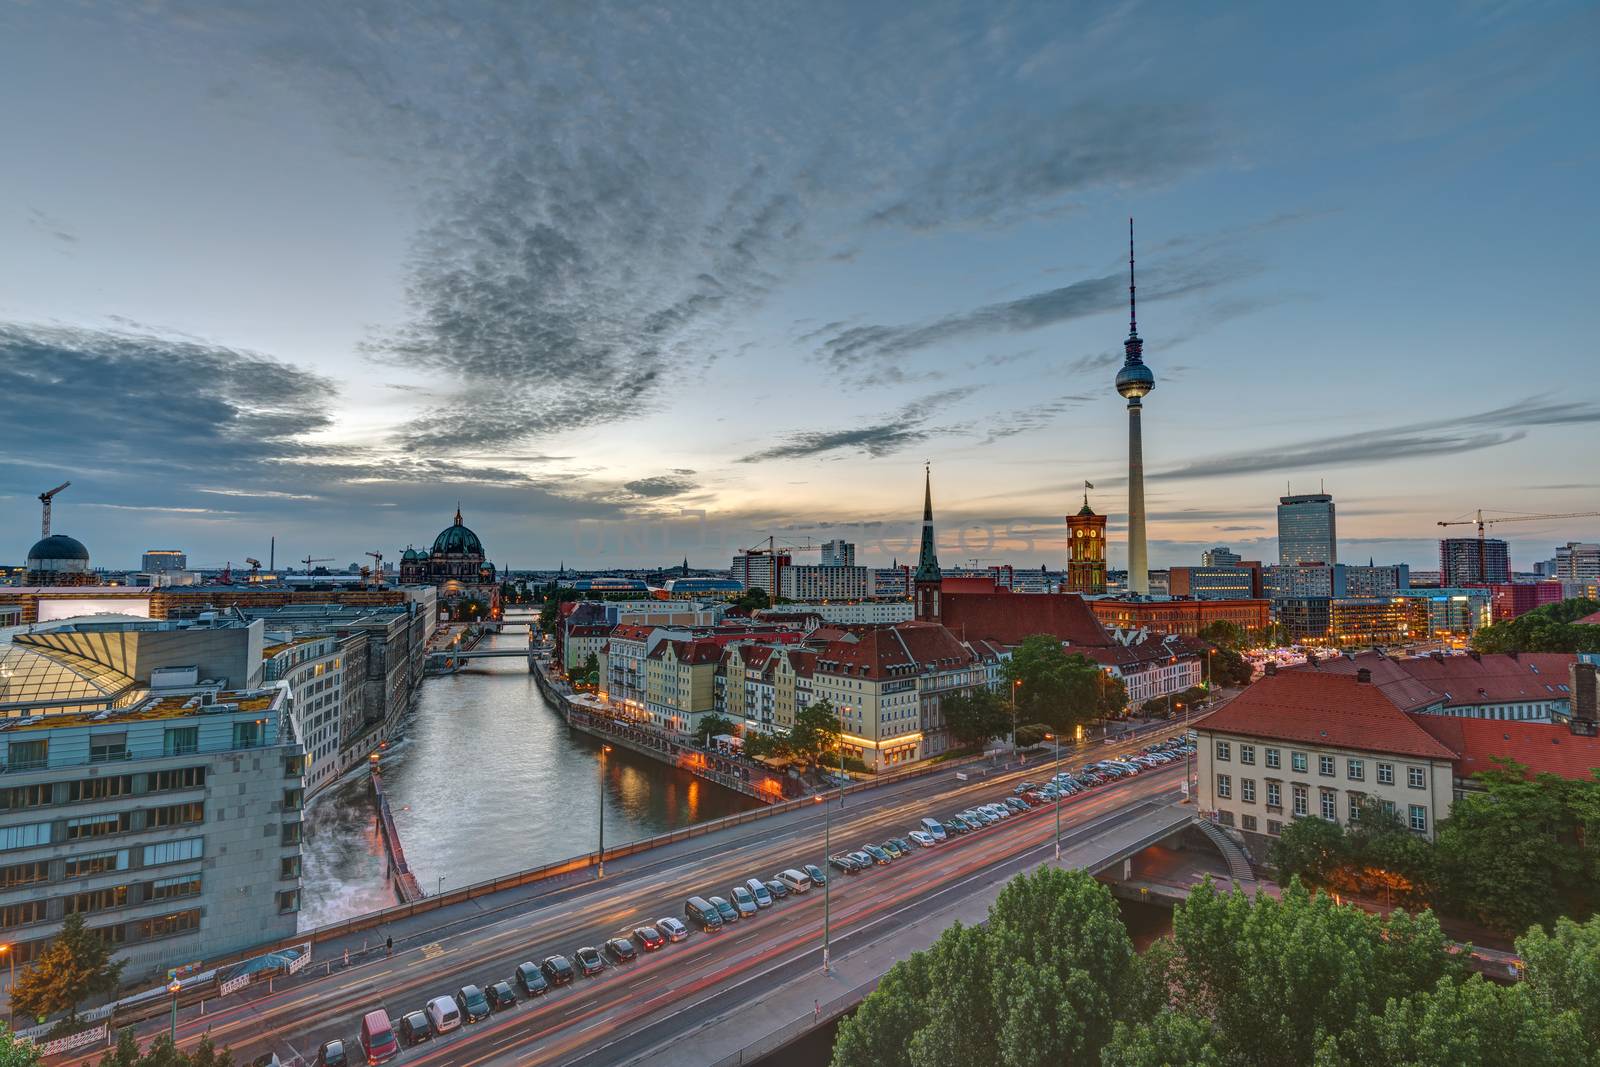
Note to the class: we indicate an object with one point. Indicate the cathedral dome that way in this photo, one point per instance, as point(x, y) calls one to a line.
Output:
point(58, 552)
point(457, 540)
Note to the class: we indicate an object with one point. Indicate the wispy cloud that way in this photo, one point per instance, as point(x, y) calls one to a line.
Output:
point(905, 428)
point(661, 486)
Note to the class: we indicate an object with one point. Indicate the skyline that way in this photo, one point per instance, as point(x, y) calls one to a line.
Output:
point(322, 274)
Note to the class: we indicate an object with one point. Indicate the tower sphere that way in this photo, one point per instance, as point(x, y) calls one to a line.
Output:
point(1134, 380)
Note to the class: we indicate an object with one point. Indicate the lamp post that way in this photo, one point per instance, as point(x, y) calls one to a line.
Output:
point(5, 950)
point(1056, 781)
point(174, 989)
point(827, 848)
point(1188, 759)
point(602, 853)
point(1016, 683)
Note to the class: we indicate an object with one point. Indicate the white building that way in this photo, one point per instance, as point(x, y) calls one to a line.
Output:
point(838, 553)
point(825, 583)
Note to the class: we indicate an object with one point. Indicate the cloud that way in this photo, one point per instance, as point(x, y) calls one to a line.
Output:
point(660, 486)
point(905, 428)
point(54, 227)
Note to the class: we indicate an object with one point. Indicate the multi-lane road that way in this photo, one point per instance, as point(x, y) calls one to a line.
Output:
point(664, 996)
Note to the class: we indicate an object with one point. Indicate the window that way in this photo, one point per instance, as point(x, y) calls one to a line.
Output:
point(292, 799)
point(1247, 822)
point(103, 748)
point(21, 874)
point(1325, 766)
point(99, 825)
point(1414, 778)
point(181, 741)
point(174, 851)
point(181, 778)
point(1274, 827)
point(288, 900)
point(23, 797)
point(1225, 818)
point(1274, 796)
point(1355, 800)
point(1302, 800)
point(289, 867)
point(104, 788)
point(1297, 761)
point(27, 836)
point(27, 755)
point(169, 925)
point(185, 885)
point(1386, 774)
point(1224, 786)
point(1247, 790)
point(1355, 770)
point(1274, 759)
point(1388, 807)
point(1329, 807)
point(175, 815)
point(115, 896)
point(247, 734)
point(1419, 818)
point(1224, 750)
point(96, 863)
point(1247, 754)
point(291, 833)
point(28, 911)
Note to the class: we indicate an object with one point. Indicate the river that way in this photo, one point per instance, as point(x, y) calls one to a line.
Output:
point(488, 779)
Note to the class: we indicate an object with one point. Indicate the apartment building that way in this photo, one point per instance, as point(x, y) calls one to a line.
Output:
point(1153, 667)
point(171, 823)
point(825, 583)
point(321, 703)
point(681, 683)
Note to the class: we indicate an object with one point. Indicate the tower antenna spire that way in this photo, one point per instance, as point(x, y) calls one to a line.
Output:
point(1133, 318)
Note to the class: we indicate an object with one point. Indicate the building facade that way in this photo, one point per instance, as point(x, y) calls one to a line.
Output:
point(1578, 561)
point(1473, 561)
point(1186, 617)
point(1220, 556)
point(1215, 582)
point(838, 553)
point(841, 582)
point(760, 570)
point(1306, 530)
point(1086, 551)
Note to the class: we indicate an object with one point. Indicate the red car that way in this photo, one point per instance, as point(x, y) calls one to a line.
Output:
point(649, 938)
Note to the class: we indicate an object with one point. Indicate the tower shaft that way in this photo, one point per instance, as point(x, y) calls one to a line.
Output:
point(1138, 553)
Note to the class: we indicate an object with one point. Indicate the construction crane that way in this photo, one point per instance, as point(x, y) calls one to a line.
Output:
point(773, 548)
point(1482, 523)
point(377, 566)
point(44, 498)
point(255, 568)
point(309, 560)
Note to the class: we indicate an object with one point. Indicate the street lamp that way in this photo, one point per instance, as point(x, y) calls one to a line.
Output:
point(1056, 781)
point(1016, 684)
point(603, 750)
point(5, 950)
point(827, 848)
point(1188, 758)
point(174, 989)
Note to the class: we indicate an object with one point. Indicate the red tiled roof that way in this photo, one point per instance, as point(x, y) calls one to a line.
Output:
point(1152, 649)
point(1010, 617)
point(1461, 681)
point(1398, 685)
point(1541, 747)
point(897, 651)
point(1318, 708)
point(1588, 620)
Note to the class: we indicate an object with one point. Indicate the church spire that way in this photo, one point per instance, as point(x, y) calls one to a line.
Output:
point(928, 558)
point(458, 513)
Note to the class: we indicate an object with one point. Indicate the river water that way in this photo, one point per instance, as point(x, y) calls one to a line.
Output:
point(487, 780)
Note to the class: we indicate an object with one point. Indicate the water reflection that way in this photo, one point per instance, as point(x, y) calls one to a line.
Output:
point(490, 780)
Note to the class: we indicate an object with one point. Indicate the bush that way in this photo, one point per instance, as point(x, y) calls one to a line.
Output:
point(1031, 735)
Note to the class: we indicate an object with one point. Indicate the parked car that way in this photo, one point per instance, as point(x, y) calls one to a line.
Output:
point(745, 901)
point(501, 996)
point(703, 913)
point(844, 863)
point(672, 929)
point(531, 979)
point(922, 839)
point(414, 1029)
point(443, 1014)
point(621, 950)
point(797, 881)
point(758, 889)
point(589, 960)
point(729, 913)
point(814, 873)
point(866, 859)
point(902, 844)
point(332, 1054)
point(558, 969)
point(934, 828)
point(956, 824)
point(894, 850)
point(377, 1038)
point(649, 938)
point(473, 1004)
point(776, 889)
point(1023, 788)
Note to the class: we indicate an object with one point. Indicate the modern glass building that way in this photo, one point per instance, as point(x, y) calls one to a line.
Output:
point(1306, 530)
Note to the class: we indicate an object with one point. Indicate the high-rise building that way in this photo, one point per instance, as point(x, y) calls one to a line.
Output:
point(1134, 382)
point(1086, 549)
point(161, 560)
point(825, 583)
point(1306, 531)
point(926, 578)
point(1473, 561)
point(1221, 556)
point(838, 553)
point(1577, 561)
point(760, 570)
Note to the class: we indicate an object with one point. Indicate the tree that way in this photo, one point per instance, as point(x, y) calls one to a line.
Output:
point(1312, 850)
point(772, 746)
point(1548, 628)
point(710, 726)
point(76, 966)
point(1228, 668)
point(1223, 634)
point(163, 1053)
point(976, 716)
point(751, 600)
point(1563, 972)
point(15, 1053)
point(1058, 689)
point(1032, 734)
point(1171, 1038)
point(815, 732)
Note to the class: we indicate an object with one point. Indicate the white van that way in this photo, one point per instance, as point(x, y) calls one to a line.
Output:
point(795, 880)
point(443, 1014)
point(934, 828)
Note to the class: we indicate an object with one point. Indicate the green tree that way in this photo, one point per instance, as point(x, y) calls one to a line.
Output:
point(1313, 850)
point(1563, 972)
point(1170, 1039)
point(712, 725)
point(815, 733)
point(76, 966)
point(1228, 668)
point(1223, 634)
point(1549, 628)
point(1059, 689)
point(976, 716)
point(1032, 734)
point(163, 1053)
point(15, 1053)
point(753, 599)
point(879, 1032)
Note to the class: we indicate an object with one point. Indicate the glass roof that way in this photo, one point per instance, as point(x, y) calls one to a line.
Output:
point(33, 676)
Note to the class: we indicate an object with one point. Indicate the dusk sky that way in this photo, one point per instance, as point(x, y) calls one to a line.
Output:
point(633, 282)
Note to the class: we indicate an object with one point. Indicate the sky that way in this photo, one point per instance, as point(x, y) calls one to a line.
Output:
point(638, 282)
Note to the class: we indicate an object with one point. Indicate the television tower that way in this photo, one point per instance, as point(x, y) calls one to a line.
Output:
point(1135, 380)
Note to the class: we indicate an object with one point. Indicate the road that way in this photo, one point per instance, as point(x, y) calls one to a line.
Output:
point(634, 1007)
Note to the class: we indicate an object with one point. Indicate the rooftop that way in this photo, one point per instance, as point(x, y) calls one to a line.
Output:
point(1541, 747)
point(183, 705)
point(1455, 681)
point(1328, 710)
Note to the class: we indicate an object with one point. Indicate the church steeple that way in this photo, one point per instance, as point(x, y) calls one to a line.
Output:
point(927, 577)
point(458, 513)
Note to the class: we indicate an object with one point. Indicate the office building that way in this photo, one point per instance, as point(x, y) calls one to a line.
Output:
point(891, 583)
point(1339, 580)
point(1220, 556)
point(838, 554)
point(1215, 582)
point(162, 560)
point(1507, 600)
point(760, 569)
point(826, 582)
point(1086, 551)
point(1182, 617)
point(1473, 561)
point(1577, 561)
point(1306, 530)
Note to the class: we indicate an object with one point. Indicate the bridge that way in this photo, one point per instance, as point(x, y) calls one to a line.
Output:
point(727, 997)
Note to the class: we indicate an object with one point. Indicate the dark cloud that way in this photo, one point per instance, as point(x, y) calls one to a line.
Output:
point(905, 428)
point(660, 486)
